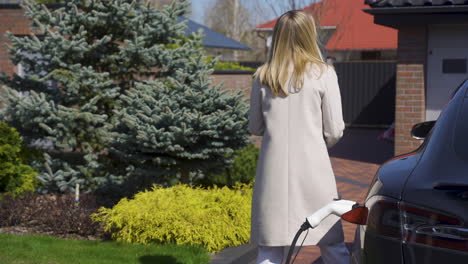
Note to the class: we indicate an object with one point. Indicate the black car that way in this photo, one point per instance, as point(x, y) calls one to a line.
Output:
point(418, 203)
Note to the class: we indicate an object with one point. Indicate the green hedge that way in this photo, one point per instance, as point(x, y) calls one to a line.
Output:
point(228, 65)
point(213, 218)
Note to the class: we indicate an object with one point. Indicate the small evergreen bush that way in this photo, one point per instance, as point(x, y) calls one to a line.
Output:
point(16, 177)
point(214, 218)
point(242, 170)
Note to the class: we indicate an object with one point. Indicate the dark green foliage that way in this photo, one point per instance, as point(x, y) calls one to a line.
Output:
point(53, 214)
point(15, 177)
point(242, 170)
point(113, 89)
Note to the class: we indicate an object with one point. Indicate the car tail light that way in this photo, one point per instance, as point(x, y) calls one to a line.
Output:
point(431, 228)
point(384, 219)
point(358, 215)
point(413, 224)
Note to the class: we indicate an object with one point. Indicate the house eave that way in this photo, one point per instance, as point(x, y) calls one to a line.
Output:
point(396, 16)
point(417, 10)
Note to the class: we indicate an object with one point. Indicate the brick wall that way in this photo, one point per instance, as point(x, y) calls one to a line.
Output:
point(410, 87)
point(234, 81)
point(11, 19)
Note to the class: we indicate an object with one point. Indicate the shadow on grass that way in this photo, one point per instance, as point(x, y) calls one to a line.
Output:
point(154, 259)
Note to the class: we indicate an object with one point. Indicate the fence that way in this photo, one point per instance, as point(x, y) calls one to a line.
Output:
point(367, 92)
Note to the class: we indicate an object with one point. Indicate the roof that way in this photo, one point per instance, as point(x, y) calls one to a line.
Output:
point(410, 3)
point(212, 38)
point(355, 30)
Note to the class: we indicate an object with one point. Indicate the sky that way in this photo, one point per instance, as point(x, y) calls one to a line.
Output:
point(199, 7)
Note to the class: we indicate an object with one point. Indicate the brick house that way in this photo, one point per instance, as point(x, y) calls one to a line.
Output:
point(11, 19)
point(432, 58)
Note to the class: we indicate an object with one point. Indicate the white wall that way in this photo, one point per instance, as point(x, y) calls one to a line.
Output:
point(445, 42)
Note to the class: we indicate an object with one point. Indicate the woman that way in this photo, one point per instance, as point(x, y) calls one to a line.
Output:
point(295, 105)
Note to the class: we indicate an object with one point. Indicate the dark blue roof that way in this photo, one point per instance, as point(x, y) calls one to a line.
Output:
point(212, 38)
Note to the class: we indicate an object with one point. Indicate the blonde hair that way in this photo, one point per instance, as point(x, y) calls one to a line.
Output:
point(294, 42)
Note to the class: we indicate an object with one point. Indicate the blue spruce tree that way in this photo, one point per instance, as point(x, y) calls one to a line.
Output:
point(115, 88)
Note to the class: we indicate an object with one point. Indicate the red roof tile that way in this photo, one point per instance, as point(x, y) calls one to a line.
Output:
point(355, 30)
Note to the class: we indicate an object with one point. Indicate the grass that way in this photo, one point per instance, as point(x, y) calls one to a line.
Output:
point(50, 250)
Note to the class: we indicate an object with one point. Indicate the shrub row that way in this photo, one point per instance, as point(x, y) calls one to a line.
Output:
point(228, 65)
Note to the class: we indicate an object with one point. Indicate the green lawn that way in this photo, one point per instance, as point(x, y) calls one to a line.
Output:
point(50, 250)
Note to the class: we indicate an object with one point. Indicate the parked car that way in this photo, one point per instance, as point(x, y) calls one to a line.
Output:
point(418, 203)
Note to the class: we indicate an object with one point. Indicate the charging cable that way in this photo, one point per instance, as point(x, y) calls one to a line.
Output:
point(337, 207)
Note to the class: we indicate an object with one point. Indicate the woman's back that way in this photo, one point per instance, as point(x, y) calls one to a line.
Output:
point(294, 172)
point(295, 105)
point(306, 112)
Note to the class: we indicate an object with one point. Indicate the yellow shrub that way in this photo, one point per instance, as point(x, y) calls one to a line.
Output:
point(213, 218)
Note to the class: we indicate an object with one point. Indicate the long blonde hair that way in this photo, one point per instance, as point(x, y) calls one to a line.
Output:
point(294, 42)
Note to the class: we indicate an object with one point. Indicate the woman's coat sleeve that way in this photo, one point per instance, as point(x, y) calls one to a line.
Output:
point(332, 114)
point(256, 122)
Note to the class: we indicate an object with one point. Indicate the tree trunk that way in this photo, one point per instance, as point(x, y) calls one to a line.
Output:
point(185, 176)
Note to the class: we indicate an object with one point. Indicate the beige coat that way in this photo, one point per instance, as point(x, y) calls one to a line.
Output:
point(294, 174)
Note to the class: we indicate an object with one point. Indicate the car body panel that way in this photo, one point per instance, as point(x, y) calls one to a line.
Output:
point(390, 179)
point(440, 163)
point(411, 179)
